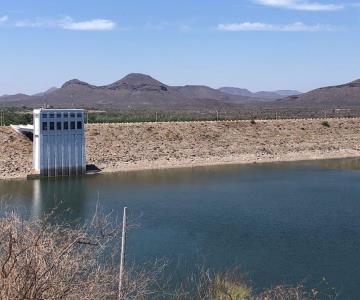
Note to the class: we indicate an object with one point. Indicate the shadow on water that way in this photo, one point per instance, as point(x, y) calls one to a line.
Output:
point(281, 222)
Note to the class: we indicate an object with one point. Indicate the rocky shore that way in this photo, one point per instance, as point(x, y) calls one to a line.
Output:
point(124, 147)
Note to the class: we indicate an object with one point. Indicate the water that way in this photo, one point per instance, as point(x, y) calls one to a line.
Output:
point(281, 223)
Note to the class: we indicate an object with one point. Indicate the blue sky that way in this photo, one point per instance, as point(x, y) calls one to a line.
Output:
point(255, 44)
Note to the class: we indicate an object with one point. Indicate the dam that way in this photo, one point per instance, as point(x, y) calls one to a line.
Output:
point(59, 142)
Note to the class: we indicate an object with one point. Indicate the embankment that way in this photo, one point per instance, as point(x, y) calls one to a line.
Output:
point(123, 147)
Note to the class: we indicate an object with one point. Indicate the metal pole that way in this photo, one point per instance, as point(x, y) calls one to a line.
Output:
point(122, 255)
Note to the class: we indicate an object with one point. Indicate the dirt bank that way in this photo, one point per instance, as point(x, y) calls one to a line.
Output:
point(117, 147)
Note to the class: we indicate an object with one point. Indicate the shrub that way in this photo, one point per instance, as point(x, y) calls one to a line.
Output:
point(282, 292)
point(43, 261)
point(40, 261)
point(224, 288)
point(231, 285)
point(325, 124)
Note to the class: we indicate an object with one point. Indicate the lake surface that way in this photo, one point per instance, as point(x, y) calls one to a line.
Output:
point(282, 222)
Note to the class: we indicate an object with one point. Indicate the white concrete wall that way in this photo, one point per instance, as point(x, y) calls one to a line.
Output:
point(59, 151)
point(36, 141)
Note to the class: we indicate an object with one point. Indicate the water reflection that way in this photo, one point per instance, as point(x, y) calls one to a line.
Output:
point(37, 199)
point(65, 197)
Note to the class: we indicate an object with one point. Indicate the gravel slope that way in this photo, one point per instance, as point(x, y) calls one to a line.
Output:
point(117, 147)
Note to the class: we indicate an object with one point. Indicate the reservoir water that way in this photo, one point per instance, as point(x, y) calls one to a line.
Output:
point(281, 223)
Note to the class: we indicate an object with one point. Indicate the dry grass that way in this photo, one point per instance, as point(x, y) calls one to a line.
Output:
point(232, 285)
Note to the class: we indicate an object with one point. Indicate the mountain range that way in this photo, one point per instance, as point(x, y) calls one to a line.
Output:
point(344, 95)
point(262, 95)
point(142, 91)
point(134, 90)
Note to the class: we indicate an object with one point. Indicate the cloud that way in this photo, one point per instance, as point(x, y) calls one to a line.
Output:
point(300, 5)
point(294, 27)
point(96, 24)
point(3, 19)
point(68, 23)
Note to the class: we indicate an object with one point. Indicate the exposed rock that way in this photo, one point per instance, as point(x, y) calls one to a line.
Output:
point(116, 147)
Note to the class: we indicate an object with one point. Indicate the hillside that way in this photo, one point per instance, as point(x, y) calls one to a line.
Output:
point(134, 90)
point(14, 98)
point(331, 96)
point(264, 95)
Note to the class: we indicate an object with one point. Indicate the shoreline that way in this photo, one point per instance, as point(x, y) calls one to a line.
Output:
point(123, 147)
point(179, 165)
point(185, 165)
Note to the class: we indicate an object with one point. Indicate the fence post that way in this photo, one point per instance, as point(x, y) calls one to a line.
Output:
point(122, 255)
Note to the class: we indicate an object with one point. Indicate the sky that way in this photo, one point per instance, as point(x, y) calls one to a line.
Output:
point(254, 44)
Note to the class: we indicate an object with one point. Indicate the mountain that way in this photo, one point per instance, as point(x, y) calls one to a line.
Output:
point(142, 91)
point(138, 82)
point(332, 96)
point(265, 95)
point(134, 90)
point(14, 98)
point(287, 93)
point(204, 92)
point(236, 91)
point(50, 90)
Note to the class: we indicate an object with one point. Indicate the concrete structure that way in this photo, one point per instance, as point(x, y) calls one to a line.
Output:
point(59, 142)
point(24, 129)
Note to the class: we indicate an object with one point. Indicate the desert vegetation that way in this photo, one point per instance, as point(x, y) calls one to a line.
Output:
point(325, 123)
point(23, 115)
point(42, 260)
